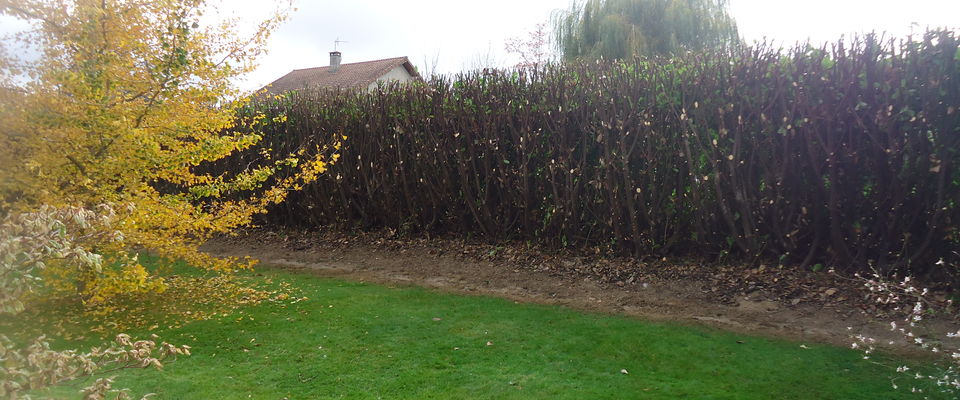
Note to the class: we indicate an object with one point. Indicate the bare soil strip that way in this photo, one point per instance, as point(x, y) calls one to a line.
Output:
point(438, 267)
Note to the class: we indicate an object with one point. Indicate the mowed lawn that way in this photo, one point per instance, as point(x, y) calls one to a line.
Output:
point(356, 340)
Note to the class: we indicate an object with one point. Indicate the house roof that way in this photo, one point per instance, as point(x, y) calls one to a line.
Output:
point(359, 74)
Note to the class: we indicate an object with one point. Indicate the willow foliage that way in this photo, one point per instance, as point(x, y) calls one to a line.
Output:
point(621, 29)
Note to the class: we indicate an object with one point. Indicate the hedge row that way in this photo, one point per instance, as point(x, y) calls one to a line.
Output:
point(845, 155)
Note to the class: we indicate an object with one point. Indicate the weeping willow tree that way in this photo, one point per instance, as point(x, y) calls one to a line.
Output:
point(626, 28)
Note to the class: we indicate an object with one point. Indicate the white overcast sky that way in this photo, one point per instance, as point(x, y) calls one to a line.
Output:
point(461, 34)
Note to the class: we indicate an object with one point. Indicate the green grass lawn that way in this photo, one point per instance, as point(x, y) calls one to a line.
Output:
point(356, 340)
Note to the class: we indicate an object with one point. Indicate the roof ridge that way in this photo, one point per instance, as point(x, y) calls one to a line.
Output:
point(355, 74)
point(355, 63)
point(386, 68)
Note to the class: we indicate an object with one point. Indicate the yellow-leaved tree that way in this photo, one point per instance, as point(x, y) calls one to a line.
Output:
point(108, 123)
point(121, 103)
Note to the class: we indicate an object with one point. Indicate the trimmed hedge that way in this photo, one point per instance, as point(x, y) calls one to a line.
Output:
point(844, 155)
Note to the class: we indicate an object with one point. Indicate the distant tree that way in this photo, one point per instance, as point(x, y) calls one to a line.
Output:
point(626, 28)
point(430, 69)
point(486, 59)
point(533, 50)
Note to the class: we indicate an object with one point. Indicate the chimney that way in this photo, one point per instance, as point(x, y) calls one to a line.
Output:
point(334, 61)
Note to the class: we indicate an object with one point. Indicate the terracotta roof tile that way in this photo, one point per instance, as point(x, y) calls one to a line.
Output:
point(359, 74)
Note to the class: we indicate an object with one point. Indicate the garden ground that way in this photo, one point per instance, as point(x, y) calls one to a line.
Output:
point(348, 317)
point(330, 338)
point(783, 303)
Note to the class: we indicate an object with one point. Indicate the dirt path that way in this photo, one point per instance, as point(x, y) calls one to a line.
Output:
point(677, 300)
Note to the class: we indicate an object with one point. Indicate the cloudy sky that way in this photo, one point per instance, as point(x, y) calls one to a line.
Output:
point(459, 34)
point(452, 35)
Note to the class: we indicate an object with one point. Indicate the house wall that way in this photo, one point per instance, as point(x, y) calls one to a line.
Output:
point(398, 73)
